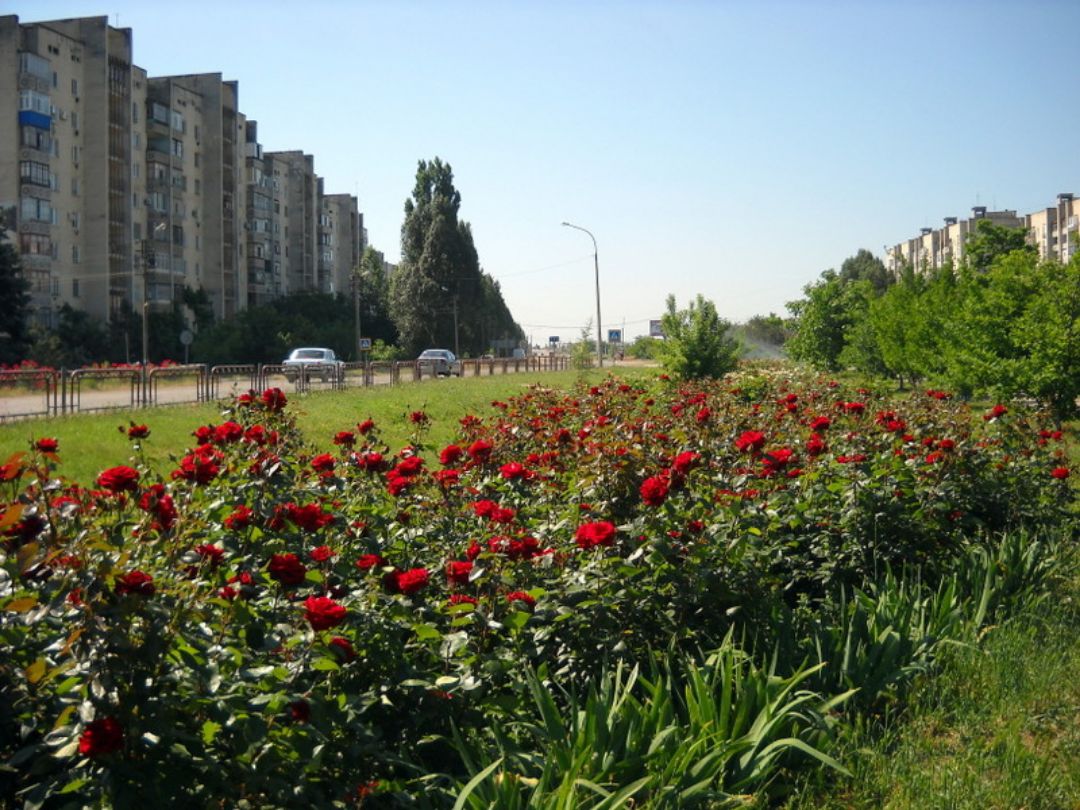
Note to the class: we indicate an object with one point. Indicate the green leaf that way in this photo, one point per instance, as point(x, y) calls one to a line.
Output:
point(210, 730)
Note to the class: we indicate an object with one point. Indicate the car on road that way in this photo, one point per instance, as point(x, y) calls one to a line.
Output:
point(313, 362)
point(439, 361)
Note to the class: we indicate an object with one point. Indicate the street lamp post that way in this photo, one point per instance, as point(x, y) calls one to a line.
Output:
point(596, 266)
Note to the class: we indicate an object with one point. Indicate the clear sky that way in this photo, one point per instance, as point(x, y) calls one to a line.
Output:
point(730, 149)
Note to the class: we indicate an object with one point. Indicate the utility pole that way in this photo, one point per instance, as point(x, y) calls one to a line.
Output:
point(457, 349)
point(148, 262)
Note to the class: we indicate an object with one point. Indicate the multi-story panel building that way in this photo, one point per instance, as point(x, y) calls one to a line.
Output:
point(933, 248)
point(66, 160)
point(263, 271)
point(296, 208)
point(196, 189)
point(1054, 231)
point(342, 226)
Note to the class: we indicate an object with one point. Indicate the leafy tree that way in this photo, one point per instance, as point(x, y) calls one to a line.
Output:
point(696, 343)
point(865, 266)
point(991, 241)
point(771, 329)
point(14, 292)
point(823, 319)
point(440, 274)
point(79, 340)
point(644, 348)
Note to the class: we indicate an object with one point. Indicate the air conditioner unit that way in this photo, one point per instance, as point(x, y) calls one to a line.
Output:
point(61, 113)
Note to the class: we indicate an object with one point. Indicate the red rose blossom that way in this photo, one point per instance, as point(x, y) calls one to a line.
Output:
point(521, 596)
point(135, 582)
point(287, 569)
point(654, 491)
point(138, 432)
point(751, 441)
point(408, 582)
point(102, 736)
point(322, 612)
point(1060, 473)
point(457, 572)
point(47, 445)
point(119, 479)
point(274, 399)
point(590, 535)
point(366, 562)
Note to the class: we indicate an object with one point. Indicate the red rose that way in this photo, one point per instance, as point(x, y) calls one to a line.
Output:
point(47, 445)
point(212, 554)
point(300, 710)
point(514, 471)
point(1060, 473)
point(119, 479)
point(101, 737)
point(480, 450)
point(135, 582)
point(322, 612)
point(654, 491)
point(343, 647)
point(274, 399)
point(286, 569)
point(995, 413)
point(462, 599)
point(590, 535)
point(309, 517)
point(240, 518)
point(450, 454)
point(457, 572)
point(751, 441)
point(344, 438)
point(521, 596)
point(369, 561)
point(684, 462)
point(228, 432)
point(323, 463)
point(418, 418)
point(407, 582)
point(322, 553)
point(365, 427)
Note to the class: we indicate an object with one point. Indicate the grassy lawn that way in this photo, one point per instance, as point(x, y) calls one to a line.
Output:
point(92, 442)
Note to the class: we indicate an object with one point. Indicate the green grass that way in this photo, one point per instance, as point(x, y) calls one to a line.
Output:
point(997, 727)
point(92, 442)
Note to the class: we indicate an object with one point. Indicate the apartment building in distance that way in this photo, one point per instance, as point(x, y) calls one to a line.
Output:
point(117, 187)
point(68, 96)
point(1052, 230)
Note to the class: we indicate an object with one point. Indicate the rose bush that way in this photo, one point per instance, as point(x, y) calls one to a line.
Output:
point(170, 640)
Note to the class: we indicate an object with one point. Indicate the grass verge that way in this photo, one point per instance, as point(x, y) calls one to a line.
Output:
point(997, 726)
point(90, 443)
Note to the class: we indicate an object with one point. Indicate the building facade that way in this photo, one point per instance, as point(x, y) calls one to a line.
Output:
point(1053, 231)
point(117, 187)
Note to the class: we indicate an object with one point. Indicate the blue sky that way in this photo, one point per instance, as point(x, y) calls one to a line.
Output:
point(730, 149)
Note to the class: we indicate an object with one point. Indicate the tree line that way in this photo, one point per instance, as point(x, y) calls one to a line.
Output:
point(1001, 322)
point(439, 296)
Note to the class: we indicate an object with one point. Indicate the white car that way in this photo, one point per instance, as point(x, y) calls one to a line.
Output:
point(314, 362)
point(440, 361)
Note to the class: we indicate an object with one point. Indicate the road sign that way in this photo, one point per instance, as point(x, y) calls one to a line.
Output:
point(365, 344)
point(614, 335)
point(553, 339)
point(655, 329)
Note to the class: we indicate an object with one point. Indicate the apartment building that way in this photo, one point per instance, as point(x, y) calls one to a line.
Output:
point(196, 190)
point(341, 237)
point(68, 97)
point(296, 218)
point(1052, 230)
point(118, 187)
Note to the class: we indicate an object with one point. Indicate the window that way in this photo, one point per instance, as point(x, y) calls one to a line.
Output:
point(35, 65)
point(198, 186)
point(74, 87)
point(196, 160)
point(74, 120)
point(35, 244)
point(34, 138)
point(35, 210)
point(196, 132)
point(75, 260)
point(74, 153)
point(35, 102)
point(136, 140)
point(178, 234)
point(135, 170)
point(74, 288)
point(178, 148)
point(75, 186)
point(159, 113)
point(35, 173)
point(178, 122)
point(134, 113)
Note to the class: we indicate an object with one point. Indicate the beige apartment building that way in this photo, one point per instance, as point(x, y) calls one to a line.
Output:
point(1052, 230)
point(116, 187)
point(341, 236)
point(68, 96)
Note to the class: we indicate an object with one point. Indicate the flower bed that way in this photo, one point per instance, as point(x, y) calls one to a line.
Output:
point(278, 626)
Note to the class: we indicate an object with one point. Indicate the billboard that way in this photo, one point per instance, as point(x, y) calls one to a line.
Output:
point(655, 330)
